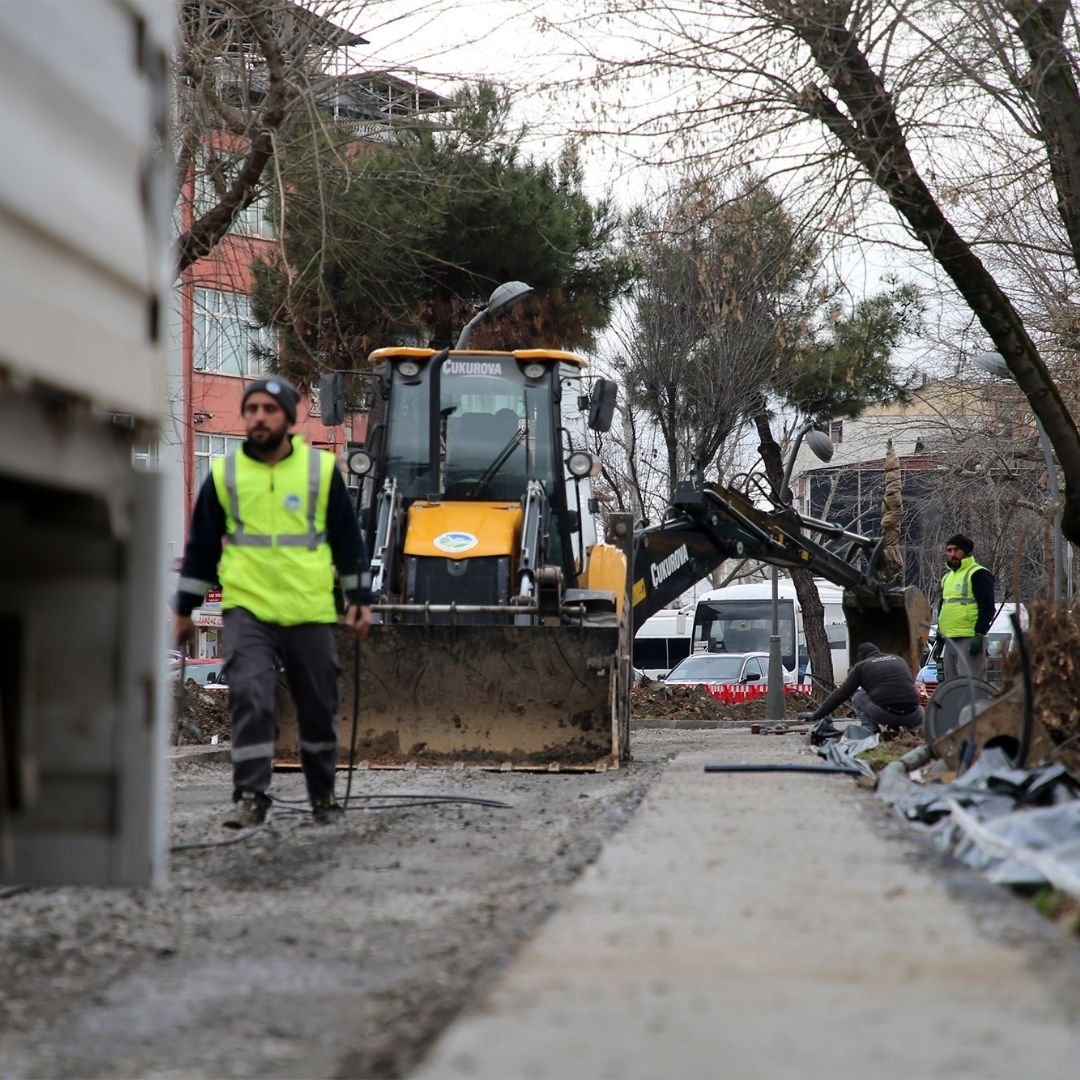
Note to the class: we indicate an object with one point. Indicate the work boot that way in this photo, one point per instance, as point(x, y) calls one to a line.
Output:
point(249, 809)
point(327, 810)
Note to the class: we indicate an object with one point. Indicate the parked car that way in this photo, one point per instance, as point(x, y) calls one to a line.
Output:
point(701, 668)
point(204, 672)
point(928, 674)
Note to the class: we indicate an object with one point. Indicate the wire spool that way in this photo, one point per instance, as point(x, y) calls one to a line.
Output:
point(945, 711)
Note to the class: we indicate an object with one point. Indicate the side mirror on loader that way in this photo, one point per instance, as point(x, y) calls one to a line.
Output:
point(332, 399)
point(602, 404)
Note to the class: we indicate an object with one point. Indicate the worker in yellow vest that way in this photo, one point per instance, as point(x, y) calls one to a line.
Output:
point(272, 522)
point(966, 611)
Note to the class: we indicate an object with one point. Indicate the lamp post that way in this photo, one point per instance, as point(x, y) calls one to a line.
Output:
point(822, 446)
point(994, 364)
point(504, 297)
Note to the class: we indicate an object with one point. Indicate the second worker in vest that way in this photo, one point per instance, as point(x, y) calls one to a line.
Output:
point(882, 692)
point(272, 521)
point(966, 611)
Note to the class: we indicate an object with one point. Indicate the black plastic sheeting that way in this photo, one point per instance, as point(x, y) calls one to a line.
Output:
point(1015, 826)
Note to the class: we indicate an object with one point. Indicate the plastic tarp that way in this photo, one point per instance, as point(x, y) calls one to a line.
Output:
point(845, 750)
point(1016, 826)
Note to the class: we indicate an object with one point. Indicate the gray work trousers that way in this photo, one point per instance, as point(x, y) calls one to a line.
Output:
point(873, 716)
point(958, 666)
point(251, 650)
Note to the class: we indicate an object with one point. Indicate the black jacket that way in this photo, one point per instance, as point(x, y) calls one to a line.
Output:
point(198, 573)
point(886, 678)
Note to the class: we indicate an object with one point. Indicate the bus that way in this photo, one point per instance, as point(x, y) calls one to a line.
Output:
point(662, 641)
point(738, 619)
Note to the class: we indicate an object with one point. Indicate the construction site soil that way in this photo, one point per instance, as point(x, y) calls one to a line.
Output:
point(307, 951)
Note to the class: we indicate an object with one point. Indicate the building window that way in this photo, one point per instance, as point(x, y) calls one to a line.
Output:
point(228, 340)
point(254, 220)
point(210, 447)
point(836, 431)
point(144, 456)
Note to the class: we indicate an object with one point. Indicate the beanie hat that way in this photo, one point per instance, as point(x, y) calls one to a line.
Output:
point(962, 542)
point(286, 394)
point(867, 648)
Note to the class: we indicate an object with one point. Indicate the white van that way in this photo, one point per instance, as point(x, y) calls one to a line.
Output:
point(738, 618)
point(662, 641)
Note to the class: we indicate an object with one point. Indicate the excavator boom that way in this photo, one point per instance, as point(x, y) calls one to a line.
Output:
point(706, 525)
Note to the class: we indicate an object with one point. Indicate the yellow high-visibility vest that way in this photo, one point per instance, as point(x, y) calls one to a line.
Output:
point(959, 609)
point(276, 561)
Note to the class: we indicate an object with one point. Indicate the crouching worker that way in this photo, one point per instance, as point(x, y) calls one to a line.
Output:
point(271, 522)
point(882, 692)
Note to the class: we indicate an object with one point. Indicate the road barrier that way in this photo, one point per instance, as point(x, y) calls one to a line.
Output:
point(737, 693)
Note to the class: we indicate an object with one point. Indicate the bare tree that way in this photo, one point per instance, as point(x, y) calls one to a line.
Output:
point(948, 110)
point(724, 289)
point(244, 69)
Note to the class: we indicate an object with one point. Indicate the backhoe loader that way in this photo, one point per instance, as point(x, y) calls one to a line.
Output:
point(505, 622)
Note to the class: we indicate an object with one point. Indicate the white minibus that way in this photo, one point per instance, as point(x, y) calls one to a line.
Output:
point(738, 618)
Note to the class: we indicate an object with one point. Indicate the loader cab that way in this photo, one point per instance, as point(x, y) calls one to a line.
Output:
point(469, 427)
point(476, 427)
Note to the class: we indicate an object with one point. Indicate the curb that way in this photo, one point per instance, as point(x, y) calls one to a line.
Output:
point(200, 755)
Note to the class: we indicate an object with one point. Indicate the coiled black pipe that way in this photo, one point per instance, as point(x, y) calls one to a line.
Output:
point(1029, 711)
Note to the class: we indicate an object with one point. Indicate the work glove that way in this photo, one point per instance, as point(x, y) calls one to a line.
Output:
point(975, 645)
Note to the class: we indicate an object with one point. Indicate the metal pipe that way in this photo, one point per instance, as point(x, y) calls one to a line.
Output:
point(774, 699)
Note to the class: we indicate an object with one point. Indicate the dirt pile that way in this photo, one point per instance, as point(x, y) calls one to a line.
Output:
point(1053, 643)
point(694, 704)
point(207, 710)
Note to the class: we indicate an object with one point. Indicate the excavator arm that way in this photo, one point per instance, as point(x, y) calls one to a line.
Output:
point(706, 525)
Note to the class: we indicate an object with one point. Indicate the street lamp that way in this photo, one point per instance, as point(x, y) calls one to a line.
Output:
point(823, 448)
point(994, 364)
point(503, 298)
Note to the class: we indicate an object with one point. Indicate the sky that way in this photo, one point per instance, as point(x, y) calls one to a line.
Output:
point(443, 45)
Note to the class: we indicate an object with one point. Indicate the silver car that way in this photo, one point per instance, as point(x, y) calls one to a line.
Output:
point(700, 668)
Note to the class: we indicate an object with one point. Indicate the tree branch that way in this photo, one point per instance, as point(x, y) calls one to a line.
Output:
point(872, 134)
point(204, 233)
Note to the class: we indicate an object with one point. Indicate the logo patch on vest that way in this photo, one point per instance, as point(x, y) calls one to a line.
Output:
point(455, 542)
point(291, 502)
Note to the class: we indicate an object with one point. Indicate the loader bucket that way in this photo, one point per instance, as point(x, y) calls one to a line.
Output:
point(530, 697)
point(901, 629)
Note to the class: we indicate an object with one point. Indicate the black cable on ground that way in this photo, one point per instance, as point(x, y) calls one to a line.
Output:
point(299, 806)
point(287, 806)
point(849, 770)
point(239, 839)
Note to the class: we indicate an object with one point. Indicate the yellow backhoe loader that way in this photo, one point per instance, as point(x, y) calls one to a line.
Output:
point(505, 622)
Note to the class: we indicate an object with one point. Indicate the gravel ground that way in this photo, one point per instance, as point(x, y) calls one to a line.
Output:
point(337, 952)
point(304, 950)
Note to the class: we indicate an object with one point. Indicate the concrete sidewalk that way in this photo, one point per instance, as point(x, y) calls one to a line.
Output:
point(758, 925)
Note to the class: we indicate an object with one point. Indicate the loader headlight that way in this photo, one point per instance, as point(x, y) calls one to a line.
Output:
point(534, 371)
point(409, 368)
point(360, 463)
point(582, 463)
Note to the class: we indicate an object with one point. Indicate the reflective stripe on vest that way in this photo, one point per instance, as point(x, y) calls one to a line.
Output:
point(241, 537)
point(276, 562)
point(959, 608)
